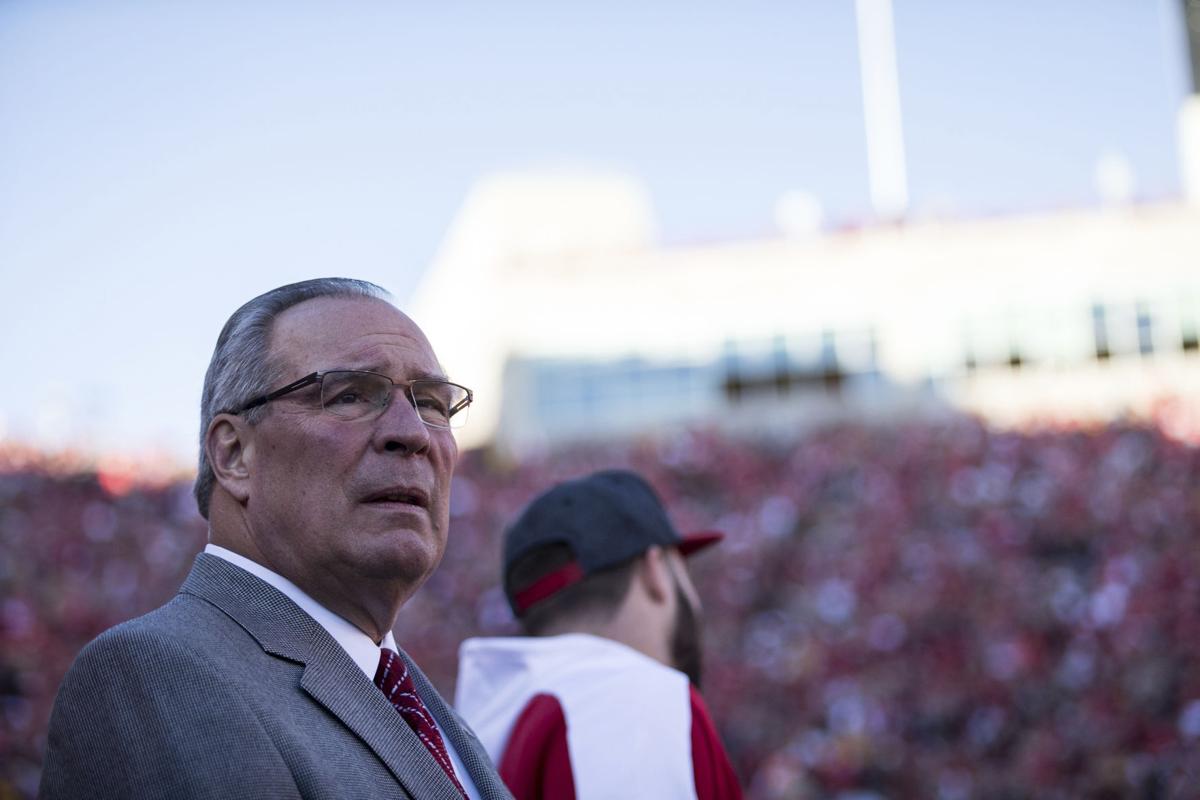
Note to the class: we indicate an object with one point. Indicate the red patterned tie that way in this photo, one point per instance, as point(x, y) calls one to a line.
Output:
point(393, 679)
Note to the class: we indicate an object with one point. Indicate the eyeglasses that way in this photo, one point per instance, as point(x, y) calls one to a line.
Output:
point(355, 394)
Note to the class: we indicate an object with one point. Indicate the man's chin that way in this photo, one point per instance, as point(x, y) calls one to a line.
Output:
point(403, 554)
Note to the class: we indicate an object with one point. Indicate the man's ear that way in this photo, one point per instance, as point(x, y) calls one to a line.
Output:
point(230, 449)
point(655, 575)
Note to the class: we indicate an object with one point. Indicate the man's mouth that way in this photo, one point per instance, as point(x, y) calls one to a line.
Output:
point(398, 495)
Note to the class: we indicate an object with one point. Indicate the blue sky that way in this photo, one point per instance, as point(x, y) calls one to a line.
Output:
point(162, 162)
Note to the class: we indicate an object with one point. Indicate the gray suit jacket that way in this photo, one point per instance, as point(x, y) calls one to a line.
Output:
point(230, 690)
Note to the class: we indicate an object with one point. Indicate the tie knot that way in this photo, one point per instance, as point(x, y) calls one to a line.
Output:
point(391, 676)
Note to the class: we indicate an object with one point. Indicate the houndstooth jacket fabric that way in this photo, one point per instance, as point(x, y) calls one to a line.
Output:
point(230, 690)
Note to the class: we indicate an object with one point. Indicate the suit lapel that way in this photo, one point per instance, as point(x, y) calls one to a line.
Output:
point(331, 678)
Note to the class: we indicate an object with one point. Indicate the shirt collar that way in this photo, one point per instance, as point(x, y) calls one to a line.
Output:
point(358, 645)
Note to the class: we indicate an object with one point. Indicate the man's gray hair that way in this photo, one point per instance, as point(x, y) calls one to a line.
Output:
point(240, 368)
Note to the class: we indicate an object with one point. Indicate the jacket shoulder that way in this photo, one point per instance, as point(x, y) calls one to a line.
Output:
point(145, 711)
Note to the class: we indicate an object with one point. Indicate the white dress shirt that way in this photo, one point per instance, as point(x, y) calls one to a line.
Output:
point(358, 645)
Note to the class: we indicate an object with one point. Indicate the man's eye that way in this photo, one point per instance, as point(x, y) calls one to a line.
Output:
point(432, 404)
point(348, 397)
point(348, 393)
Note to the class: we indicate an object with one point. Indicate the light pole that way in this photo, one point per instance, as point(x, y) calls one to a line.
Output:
point(886, 161)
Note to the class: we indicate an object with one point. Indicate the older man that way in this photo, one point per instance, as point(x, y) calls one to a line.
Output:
point(326, 457)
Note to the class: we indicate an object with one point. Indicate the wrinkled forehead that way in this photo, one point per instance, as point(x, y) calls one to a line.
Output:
point(349, 333)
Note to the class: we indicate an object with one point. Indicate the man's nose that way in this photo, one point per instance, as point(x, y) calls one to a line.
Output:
point(400, 428)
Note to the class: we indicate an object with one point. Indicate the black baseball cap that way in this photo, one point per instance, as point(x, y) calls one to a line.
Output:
point(605, 519)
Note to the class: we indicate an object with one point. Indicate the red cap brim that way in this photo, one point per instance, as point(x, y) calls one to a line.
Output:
point(698, 541)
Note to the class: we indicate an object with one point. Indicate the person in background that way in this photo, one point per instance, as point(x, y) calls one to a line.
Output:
point(326, 453)
point(601, 698)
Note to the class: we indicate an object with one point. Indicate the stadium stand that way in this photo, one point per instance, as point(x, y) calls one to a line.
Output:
point(918, 610)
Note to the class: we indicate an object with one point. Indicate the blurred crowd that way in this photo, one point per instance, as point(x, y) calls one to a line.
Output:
point(919, 610)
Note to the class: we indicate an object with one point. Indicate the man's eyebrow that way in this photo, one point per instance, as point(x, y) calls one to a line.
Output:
point(419, 376)
point(431, 376)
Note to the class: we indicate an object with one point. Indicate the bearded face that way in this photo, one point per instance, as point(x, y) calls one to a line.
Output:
point(686, 647)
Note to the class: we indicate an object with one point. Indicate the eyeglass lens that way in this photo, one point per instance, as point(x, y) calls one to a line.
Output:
point(355, 395)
